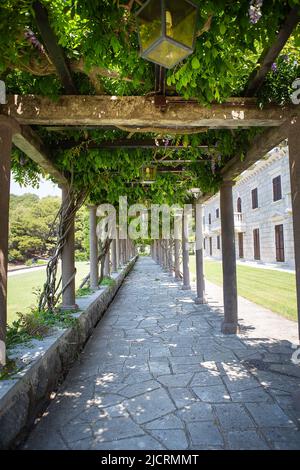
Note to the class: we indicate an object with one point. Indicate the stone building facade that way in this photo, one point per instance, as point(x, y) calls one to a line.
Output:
point(263, 214)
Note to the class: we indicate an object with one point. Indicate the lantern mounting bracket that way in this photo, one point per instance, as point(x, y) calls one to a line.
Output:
point(160, 100)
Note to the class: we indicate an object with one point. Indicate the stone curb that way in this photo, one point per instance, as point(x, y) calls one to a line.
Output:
point(25, 396)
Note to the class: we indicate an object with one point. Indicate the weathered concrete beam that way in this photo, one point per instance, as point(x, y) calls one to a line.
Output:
point(261, 145)
point(31, 144)
point(139, 112)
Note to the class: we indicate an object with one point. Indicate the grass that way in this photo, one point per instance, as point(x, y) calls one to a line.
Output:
point(274, 290)
point(107, 281)
point(21, 288)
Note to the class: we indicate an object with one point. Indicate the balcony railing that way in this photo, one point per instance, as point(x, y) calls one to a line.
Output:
point(215, 226)
point(238, 222)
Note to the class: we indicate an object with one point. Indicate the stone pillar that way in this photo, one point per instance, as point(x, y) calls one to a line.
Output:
point(230, 323)
point(200, 299)
point(6, 134)
point(94, 272)
point(68, 262)
point(153, 247)
point(185, 253)
point(106, 271)
point(157, 251)
point(117, 249)
point(125, 252)
point(165, 256)
point(161, 254)
point(121, 262)
point(176, 259)
point(170, 253)
point(114, 256)
point(294, 157)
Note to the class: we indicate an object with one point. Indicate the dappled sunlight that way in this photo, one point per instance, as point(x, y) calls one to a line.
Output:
point(174, 373)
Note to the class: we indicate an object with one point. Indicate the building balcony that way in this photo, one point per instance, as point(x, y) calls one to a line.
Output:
point(215, 227)
point(239, 224)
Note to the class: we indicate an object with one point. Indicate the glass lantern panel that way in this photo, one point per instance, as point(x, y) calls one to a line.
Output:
point(150, 24)
point(167, 54)
point(181, 20)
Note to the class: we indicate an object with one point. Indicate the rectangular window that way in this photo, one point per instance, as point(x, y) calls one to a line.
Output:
point(241, 244)
point(209, 219)
point(279, 242)
point(256, 244)
point(217, 213)
point(210, 246)
point(277, 191)
point(254, 198)
point(218, 242)
point(204, 243)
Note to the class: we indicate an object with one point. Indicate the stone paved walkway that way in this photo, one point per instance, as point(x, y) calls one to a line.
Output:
point(158, 374)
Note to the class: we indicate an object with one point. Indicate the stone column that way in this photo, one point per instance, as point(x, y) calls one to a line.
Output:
point(200, 299)
point(6, 134)
point(68, 262)
point(176, 259)
point(165, 256)
point(125, 252)
point(161, 254)
point(157, 251)
point(185, 253)
point(230, 323)
point(121, 259)
point(106, 271)
point(114, 256)
point(117, 249)
point(170, 252)
point(153, 246)
point(94, 272)
point(294, 157)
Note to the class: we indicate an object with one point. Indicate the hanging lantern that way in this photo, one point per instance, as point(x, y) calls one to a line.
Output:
point(148, 174)
point(167, 31)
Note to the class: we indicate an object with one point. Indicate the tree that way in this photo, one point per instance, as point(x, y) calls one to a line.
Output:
point(31, 219)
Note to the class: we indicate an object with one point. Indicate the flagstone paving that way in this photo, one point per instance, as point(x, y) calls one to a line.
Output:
point(158, 374)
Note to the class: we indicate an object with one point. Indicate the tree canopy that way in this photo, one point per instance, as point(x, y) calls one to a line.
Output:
point(100, 42)
point(32, 233)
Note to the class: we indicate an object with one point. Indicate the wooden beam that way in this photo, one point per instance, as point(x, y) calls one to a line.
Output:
point(261, 145)
point(180, 161)
point(270, 56)
point(55, 52)
point(139, 112)
point(31, 144)
point(125, 144)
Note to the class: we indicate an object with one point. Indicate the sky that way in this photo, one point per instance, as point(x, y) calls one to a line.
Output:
point(46, 188)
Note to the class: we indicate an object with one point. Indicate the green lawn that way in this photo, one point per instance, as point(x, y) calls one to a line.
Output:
point(21, 288)
point(275, 290)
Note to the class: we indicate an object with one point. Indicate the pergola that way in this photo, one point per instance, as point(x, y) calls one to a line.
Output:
point(139, 115)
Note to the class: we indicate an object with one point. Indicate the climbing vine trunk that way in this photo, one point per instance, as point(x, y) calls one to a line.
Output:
point(103, 247)
point(62, 225)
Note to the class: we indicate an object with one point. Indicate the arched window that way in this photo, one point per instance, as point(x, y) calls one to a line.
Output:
point(239, 205)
